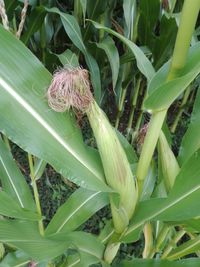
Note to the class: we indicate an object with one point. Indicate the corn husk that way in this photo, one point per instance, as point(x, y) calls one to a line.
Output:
point(170, 167)
point(116, 167)
point(70, 88)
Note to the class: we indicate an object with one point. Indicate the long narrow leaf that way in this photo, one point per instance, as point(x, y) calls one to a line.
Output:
point(191, 139)
point(26, 237)
point(144, 65)
point(15, 259)
point(162, 93)
point(35, 21)
point(181, 204)
point(76, 210)
point(73, 31)
point(111, 51)
point(13, 181)
point(27, 120)
point(10, 208)
point(193, 262)
point(184, 249)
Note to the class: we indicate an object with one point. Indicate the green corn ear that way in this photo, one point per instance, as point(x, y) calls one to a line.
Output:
point(70, 88)
point(169, 163)
point(116, 167)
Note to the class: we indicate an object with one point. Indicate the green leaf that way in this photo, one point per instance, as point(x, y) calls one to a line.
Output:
point(181, 204)
point(10, 208)
point(167, 91)
point(172, 4)
point(68, 58)
point(107, 232)
point(30, 2)
point(192, 262)
point(191, 139)
point(149, 13)
point(192, 225)
point(128, 148)
point(15, 259)
point(26, 237)
point(111, 51)
point(80, 260)
point(39, 168)
point(35, 20)
point(149, 182)
point(73, 31)
point(83, 5)
point(164, 43)
point(82, 242)
point(28, 121)
point(10, 5)
point(130, 16)
point(184, 249)
point(96, 8)
point(144, 65)
point(13, 181)
point(80, 206)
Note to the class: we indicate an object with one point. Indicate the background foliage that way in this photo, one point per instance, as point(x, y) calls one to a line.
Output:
point(54, 200)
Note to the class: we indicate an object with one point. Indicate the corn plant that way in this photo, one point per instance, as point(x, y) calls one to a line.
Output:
point(143, 53)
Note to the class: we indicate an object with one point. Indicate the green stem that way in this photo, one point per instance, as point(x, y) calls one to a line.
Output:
point(172, 243)
point(180, 111)
point(184, 35)
point(35, 192)
point(186, 27)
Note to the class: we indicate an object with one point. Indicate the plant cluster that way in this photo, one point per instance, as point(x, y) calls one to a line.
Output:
point(118, 120)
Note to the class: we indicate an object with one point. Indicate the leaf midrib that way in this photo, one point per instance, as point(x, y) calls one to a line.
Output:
point(45, 125)
point(11, 182)
point(162, 210)
point(76, 210)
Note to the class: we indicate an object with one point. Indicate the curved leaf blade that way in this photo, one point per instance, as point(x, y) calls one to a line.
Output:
point(181, 204)
point(10, 208)
point(144, 65)
point(165, 92)
point(76, 210)
point(73, 31)
point(191, 139)
point(15, 259)
point(83, 242)
point(188, 247)
point(13, 181)
point(192, 262)
point(26, 237)
point(36, 19)
point(30, 123)
point(68, 58)
point(129, 8)
point(111, 51)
